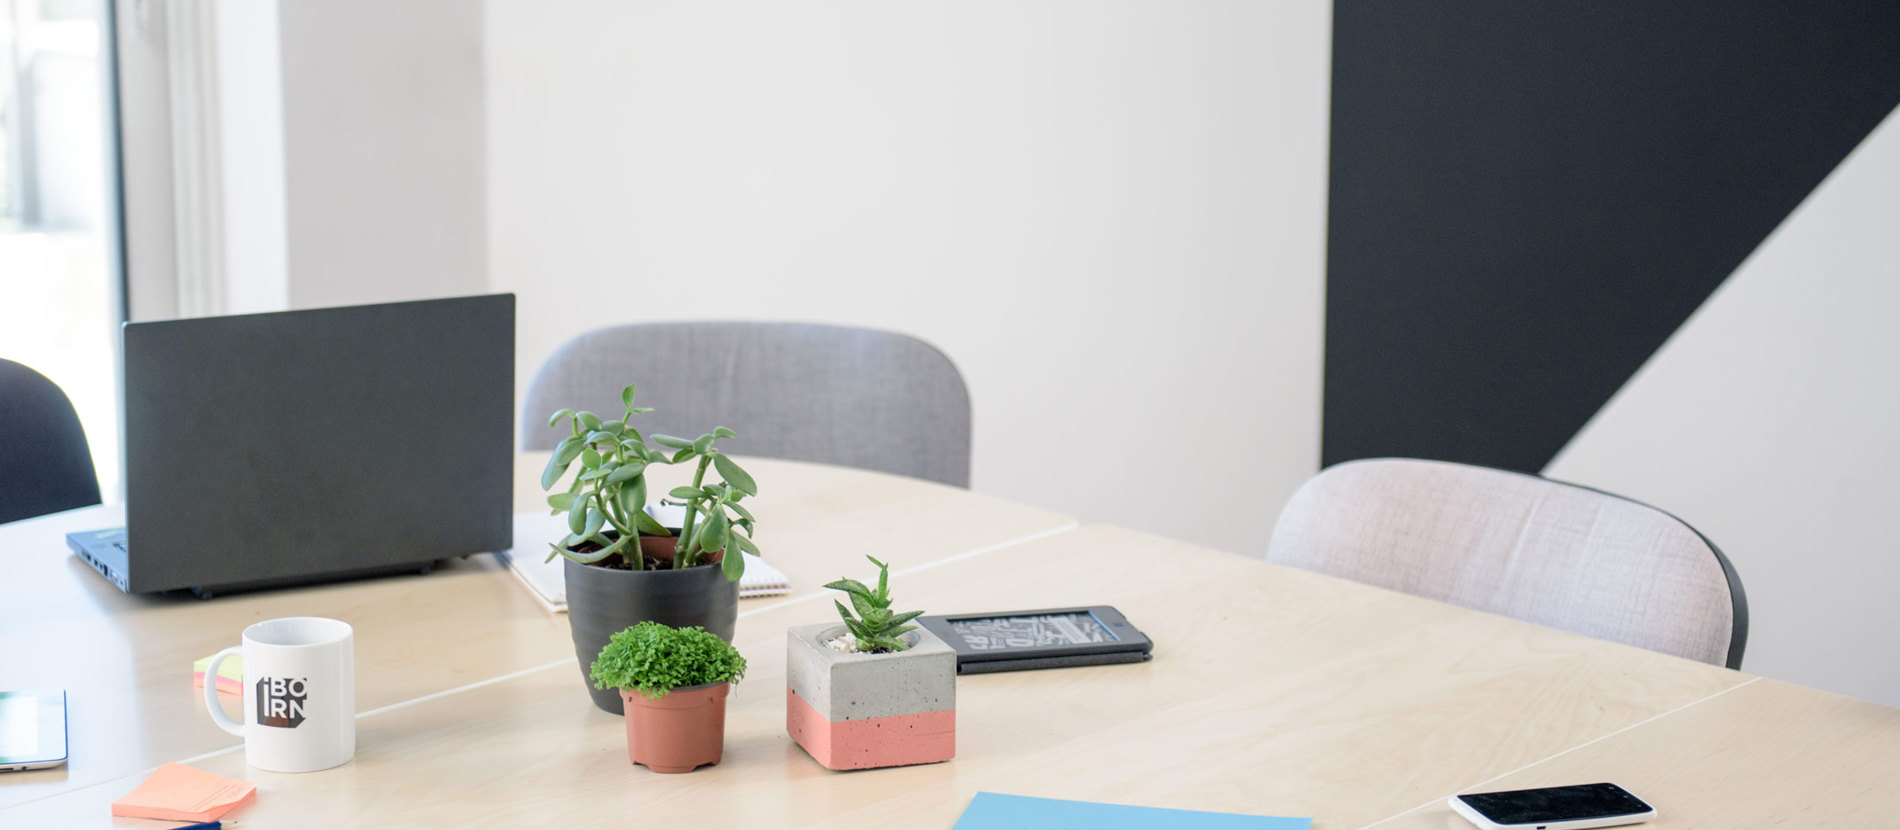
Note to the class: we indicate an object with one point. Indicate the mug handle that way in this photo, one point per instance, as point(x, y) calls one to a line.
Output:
point(212, 706)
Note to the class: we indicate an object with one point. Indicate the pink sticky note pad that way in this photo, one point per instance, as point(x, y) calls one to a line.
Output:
point(175, 792)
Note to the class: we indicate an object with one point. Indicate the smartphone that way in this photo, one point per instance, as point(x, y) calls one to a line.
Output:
point(1554, 808)
point(32, 729)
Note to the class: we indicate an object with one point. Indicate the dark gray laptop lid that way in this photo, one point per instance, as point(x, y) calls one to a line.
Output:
point(264, 448)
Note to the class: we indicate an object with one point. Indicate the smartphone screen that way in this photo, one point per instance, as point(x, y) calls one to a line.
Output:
point(1556, 804)
point(32, 728)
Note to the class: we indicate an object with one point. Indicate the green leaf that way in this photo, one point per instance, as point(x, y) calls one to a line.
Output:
point(588, 419)
point(555, 469)
point(671, 441)
point(556, 417)
point(685, 493)
point(683, 455)
point(703, 444)
point(569, 449)
point(590, 458)
point(722, 432)
point(595, 519)
point(713, 537)
point(632, 498)
point(641, 410)
point(626, 471)
point(577, 516)
point(849, 586)
point(743, 513)
point(626, 397)
point(603, 437)
point(561, 501)
point(745, 544)
point(865, 605)
point(645, 523)
point(588, 558)
point(733, 475)
point(843, 612)
point(905, 617)
point(733, 566)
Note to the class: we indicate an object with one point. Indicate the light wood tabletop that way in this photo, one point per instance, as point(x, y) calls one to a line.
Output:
point(1272, 691)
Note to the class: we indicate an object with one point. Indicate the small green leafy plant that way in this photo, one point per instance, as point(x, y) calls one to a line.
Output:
point(653, 659)
point(609, 492)
point(875, 627)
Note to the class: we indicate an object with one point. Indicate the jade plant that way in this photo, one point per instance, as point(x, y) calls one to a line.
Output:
point(653, 658)
point(877, 629)
point(608, 492)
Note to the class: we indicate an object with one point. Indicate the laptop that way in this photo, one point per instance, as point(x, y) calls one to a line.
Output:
point(268, 450)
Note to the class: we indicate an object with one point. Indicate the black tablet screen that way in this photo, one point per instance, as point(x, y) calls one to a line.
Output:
point(1039, 631)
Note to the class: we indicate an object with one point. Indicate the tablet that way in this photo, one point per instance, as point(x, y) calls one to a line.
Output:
point(32, 729)
point(1045, 638)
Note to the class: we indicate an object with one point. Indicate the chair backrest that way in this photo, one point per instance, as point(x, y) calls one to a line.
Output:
point(1538, 550)
point(851, 397)
point(45, 464)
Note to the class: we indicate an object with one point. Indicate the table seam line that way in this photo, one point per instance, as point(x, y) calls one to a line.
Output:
point(1560, 754)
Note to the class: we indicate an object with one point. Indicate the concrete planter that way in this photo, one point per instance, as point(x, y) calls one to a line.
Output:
point(859, 711)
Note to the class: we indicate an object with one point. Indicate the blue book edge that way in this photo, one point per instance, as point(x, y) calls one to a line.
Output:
point(994, 811)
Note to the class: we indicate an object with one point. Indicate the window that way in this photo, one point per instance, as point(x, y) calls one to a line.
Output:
point(60, 287)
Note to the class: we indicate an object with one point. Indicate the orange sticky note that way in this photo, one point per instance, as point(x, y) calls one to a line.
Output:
point(176, 792)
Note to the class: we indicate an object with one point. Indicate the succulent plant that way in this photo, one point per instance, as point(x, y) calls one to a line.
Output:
point(875, 627)
point(609, 492)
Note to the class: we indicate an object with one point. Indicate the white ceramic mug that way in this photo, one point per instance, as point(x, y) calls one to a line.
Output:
point(299, 694)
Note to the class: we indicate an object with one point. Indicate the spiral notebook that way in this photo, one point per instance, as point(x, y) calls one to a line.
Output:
point(546, 581)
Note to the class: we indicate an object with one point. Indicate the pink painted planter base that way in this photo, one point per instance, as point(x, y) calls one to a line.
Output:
point(902, 740)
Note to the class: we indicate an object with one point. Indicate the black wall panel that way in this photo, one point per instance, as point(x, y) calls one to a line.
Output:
point(1527, 198)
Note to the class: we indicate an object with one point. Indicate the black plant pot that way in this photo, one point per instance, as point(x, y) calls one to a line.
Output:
point(602, 601)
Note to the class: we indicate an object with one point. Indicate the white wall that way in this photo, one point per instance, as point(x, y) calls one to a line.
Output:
point(384, 151)
point(250, 109)
point(1109, 213)
point(1768, 421)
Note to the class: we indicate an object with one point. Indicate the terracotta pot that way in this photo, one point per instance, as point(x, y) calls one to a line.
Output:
point(602, 601)
point(663, 548)
point(681, 731)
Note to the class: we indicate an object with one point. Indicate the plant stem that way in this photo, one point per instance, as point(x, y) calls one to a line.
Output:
point(684, 544)
point(639, 562)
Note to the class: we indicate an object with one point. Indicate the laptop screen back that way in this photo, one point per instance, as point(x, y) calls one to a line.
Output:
point(265, 448)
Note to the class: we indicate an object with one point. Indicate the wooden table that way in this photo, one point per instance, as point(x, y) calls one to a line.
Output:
point(1272, 691)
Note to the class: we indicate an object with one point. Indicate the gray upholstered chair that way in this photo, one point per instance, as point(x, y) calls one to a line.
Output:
point(1538, 550)
point(851, 397)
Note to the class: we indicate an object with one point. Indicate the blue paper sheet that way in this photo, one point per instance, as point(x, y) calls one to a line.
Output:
point(994, 811)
